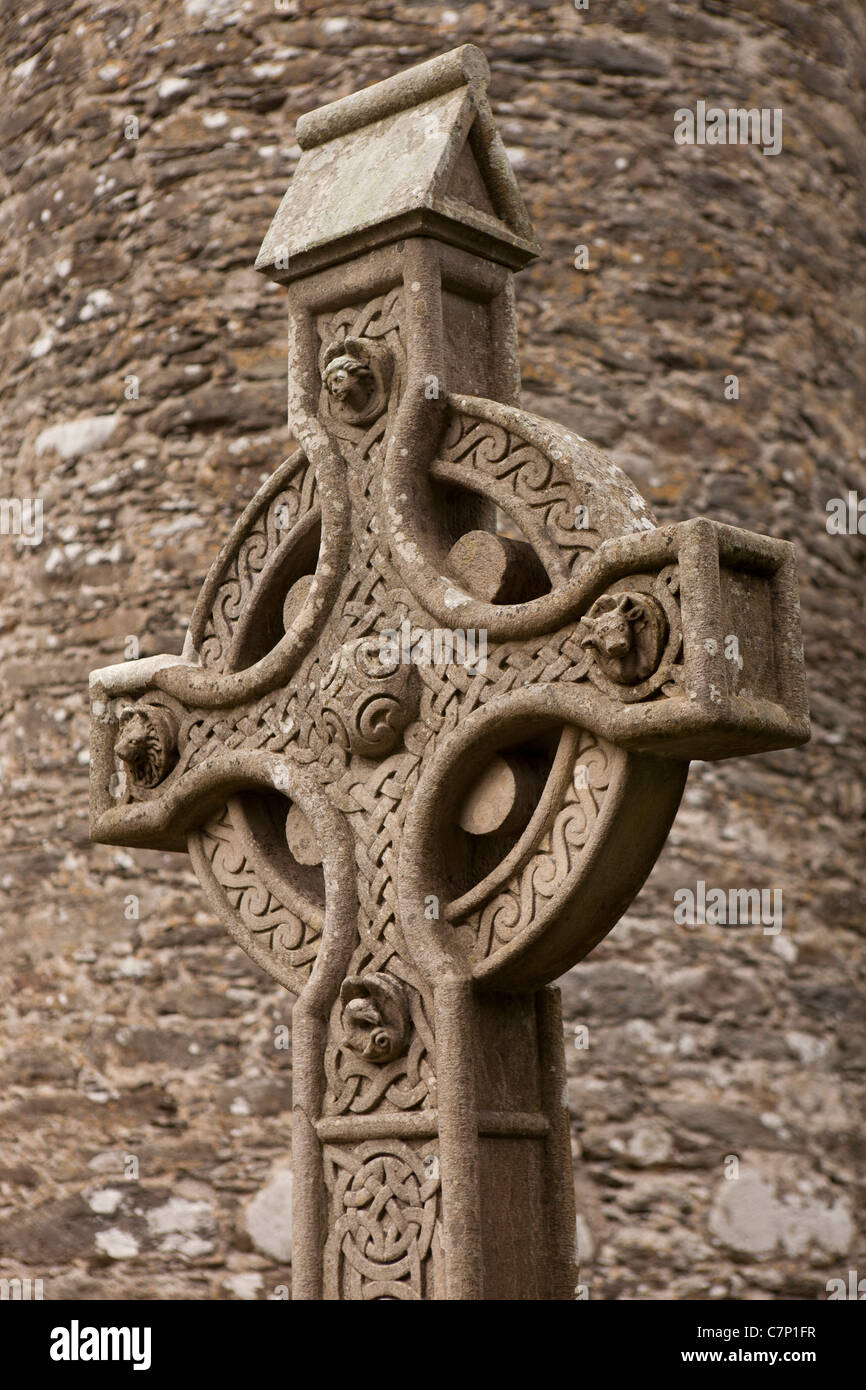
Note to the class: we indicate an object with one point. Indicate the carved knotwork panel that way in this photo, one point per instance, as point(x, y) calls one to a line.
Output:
point(369, 697)
point(384, 1240)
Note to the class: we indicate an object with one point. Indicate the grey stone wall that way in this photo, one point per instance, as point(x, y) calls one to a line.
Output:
point(145, 1106)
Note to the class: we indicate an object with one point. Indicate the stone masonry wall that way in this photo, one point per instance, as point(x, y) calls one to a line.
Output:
point(145, 1109)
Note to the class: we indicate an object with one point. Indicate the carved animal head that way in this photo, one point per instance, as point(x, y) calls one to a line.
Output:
point(375, 1016)
point(147, 743)
point(626, 631)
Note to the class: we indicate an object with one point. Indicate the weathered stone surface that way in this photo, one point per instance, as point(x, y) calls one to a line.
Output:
point(691, 276)
point(268, 1217)
point(748, 1217)
point(522, 805)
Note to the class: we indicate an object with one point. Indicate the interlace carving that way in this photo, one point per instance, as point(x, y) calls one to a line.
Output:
point(385, 1197)
point(414, 840)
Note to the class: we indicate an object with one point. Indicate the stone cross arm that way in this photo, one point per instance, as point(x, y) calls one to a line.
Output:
point(434, 713)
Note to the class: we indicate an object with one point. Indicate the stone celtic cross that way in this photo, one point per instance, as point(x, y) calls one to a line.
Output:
point(434, 713)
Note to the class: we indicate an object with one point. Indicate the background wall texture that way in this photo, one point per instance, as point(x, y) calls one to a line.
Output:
point(145, 1107)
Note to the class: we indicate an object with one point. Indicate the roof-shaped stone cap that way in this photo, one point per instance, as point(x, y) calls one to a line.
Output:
point(415, 155)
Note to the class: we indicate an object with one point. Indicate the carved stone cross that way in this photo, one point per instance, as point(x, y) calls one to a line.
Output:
point(433, 717)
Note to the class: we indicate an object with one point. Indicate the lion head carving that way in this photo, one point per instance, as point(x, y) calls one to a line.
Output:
point(147, 743)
